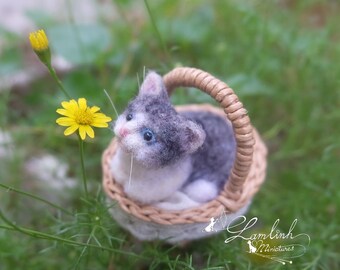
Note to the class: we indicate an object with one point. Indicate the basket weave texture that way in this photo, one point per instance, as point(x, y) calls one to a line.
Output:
point(246, 177)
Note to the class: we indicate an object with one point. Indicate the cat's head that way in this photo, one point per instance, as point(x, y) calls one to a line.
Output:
point(152, 131)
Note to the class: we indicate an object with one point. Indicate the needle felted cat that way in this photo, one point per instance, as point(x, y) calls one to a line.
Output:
point(169, 159)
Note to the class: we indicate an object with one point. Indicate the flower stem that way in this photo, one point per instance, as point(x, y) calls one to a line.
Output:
point(81, 150)
point(55, 77)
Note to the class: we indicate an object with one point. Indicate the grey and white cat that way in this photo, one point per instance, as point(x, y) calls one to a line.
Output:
point(169, 159)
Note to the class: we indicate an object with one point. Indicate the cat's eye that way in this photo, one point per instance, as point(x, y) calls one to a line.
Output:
point(129, 117)
point(148, 135)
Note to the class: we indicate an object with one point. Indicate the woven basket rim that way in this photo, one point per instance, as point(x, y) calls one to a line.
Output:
point(225, 202)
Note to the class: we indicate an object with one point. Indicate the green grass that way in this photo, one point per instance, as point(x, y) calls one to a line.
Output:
point(282, 60)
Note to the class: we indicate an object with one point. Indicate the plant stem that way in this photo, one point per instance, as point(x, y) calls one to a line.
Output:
point(8, 188)
point(81, 150)
point(85, 247)
point(154, 25)
point(55, 77)
point(37, 234)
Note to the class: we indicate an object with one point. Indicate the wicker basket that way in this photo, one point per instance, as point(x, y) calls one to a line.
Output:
point(147, 222)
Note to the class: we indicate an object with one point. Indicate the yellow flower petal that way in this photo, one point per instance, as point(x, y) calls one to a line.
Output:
point(66, 113)
point(71, 105)
point(102, 117)
point(66, 104)
point(99, 115)
point(99, 124)
point(82, 103)
point(101, 120)
point(71, 130)
point(73, 102)
point(89, 131)
point(107, 119)
point(82, 132)
point(65, 121)
point(94, 109)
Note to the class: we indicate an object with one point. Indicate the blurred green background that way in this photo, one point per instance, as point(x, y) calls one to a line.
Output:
point(282, 58)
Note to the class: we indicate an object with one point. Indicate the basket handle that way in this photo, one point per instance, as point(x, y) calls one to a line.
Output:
point(233, 108)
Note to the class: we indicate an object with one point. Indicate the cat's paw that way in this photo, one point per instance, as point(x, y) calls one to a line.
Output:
point(201, 191)
point(177, 201)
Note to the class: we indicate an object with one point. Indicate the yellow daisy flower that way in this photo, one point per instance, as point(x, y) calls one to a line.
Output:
point(78, 116)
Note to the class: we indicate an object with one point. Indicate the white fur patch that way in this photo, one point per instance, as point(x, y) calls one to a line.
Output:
point(149, 186)
point(201, 191)
point(133, 142)
point(161, 187)
point(178, 201)
point(132, 126)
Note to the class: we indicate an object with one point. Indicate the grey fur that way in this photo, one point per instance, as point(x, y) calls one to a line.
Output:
point(173, 135)
point(214, 160)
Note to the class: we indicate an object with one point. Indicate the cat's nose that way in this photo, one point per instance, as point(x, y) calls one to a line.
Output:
point(123, 132)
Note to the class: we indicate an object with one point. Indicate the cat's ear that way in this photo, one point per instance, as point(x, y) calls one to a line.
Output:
point(153, 85)
point(194, 137)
